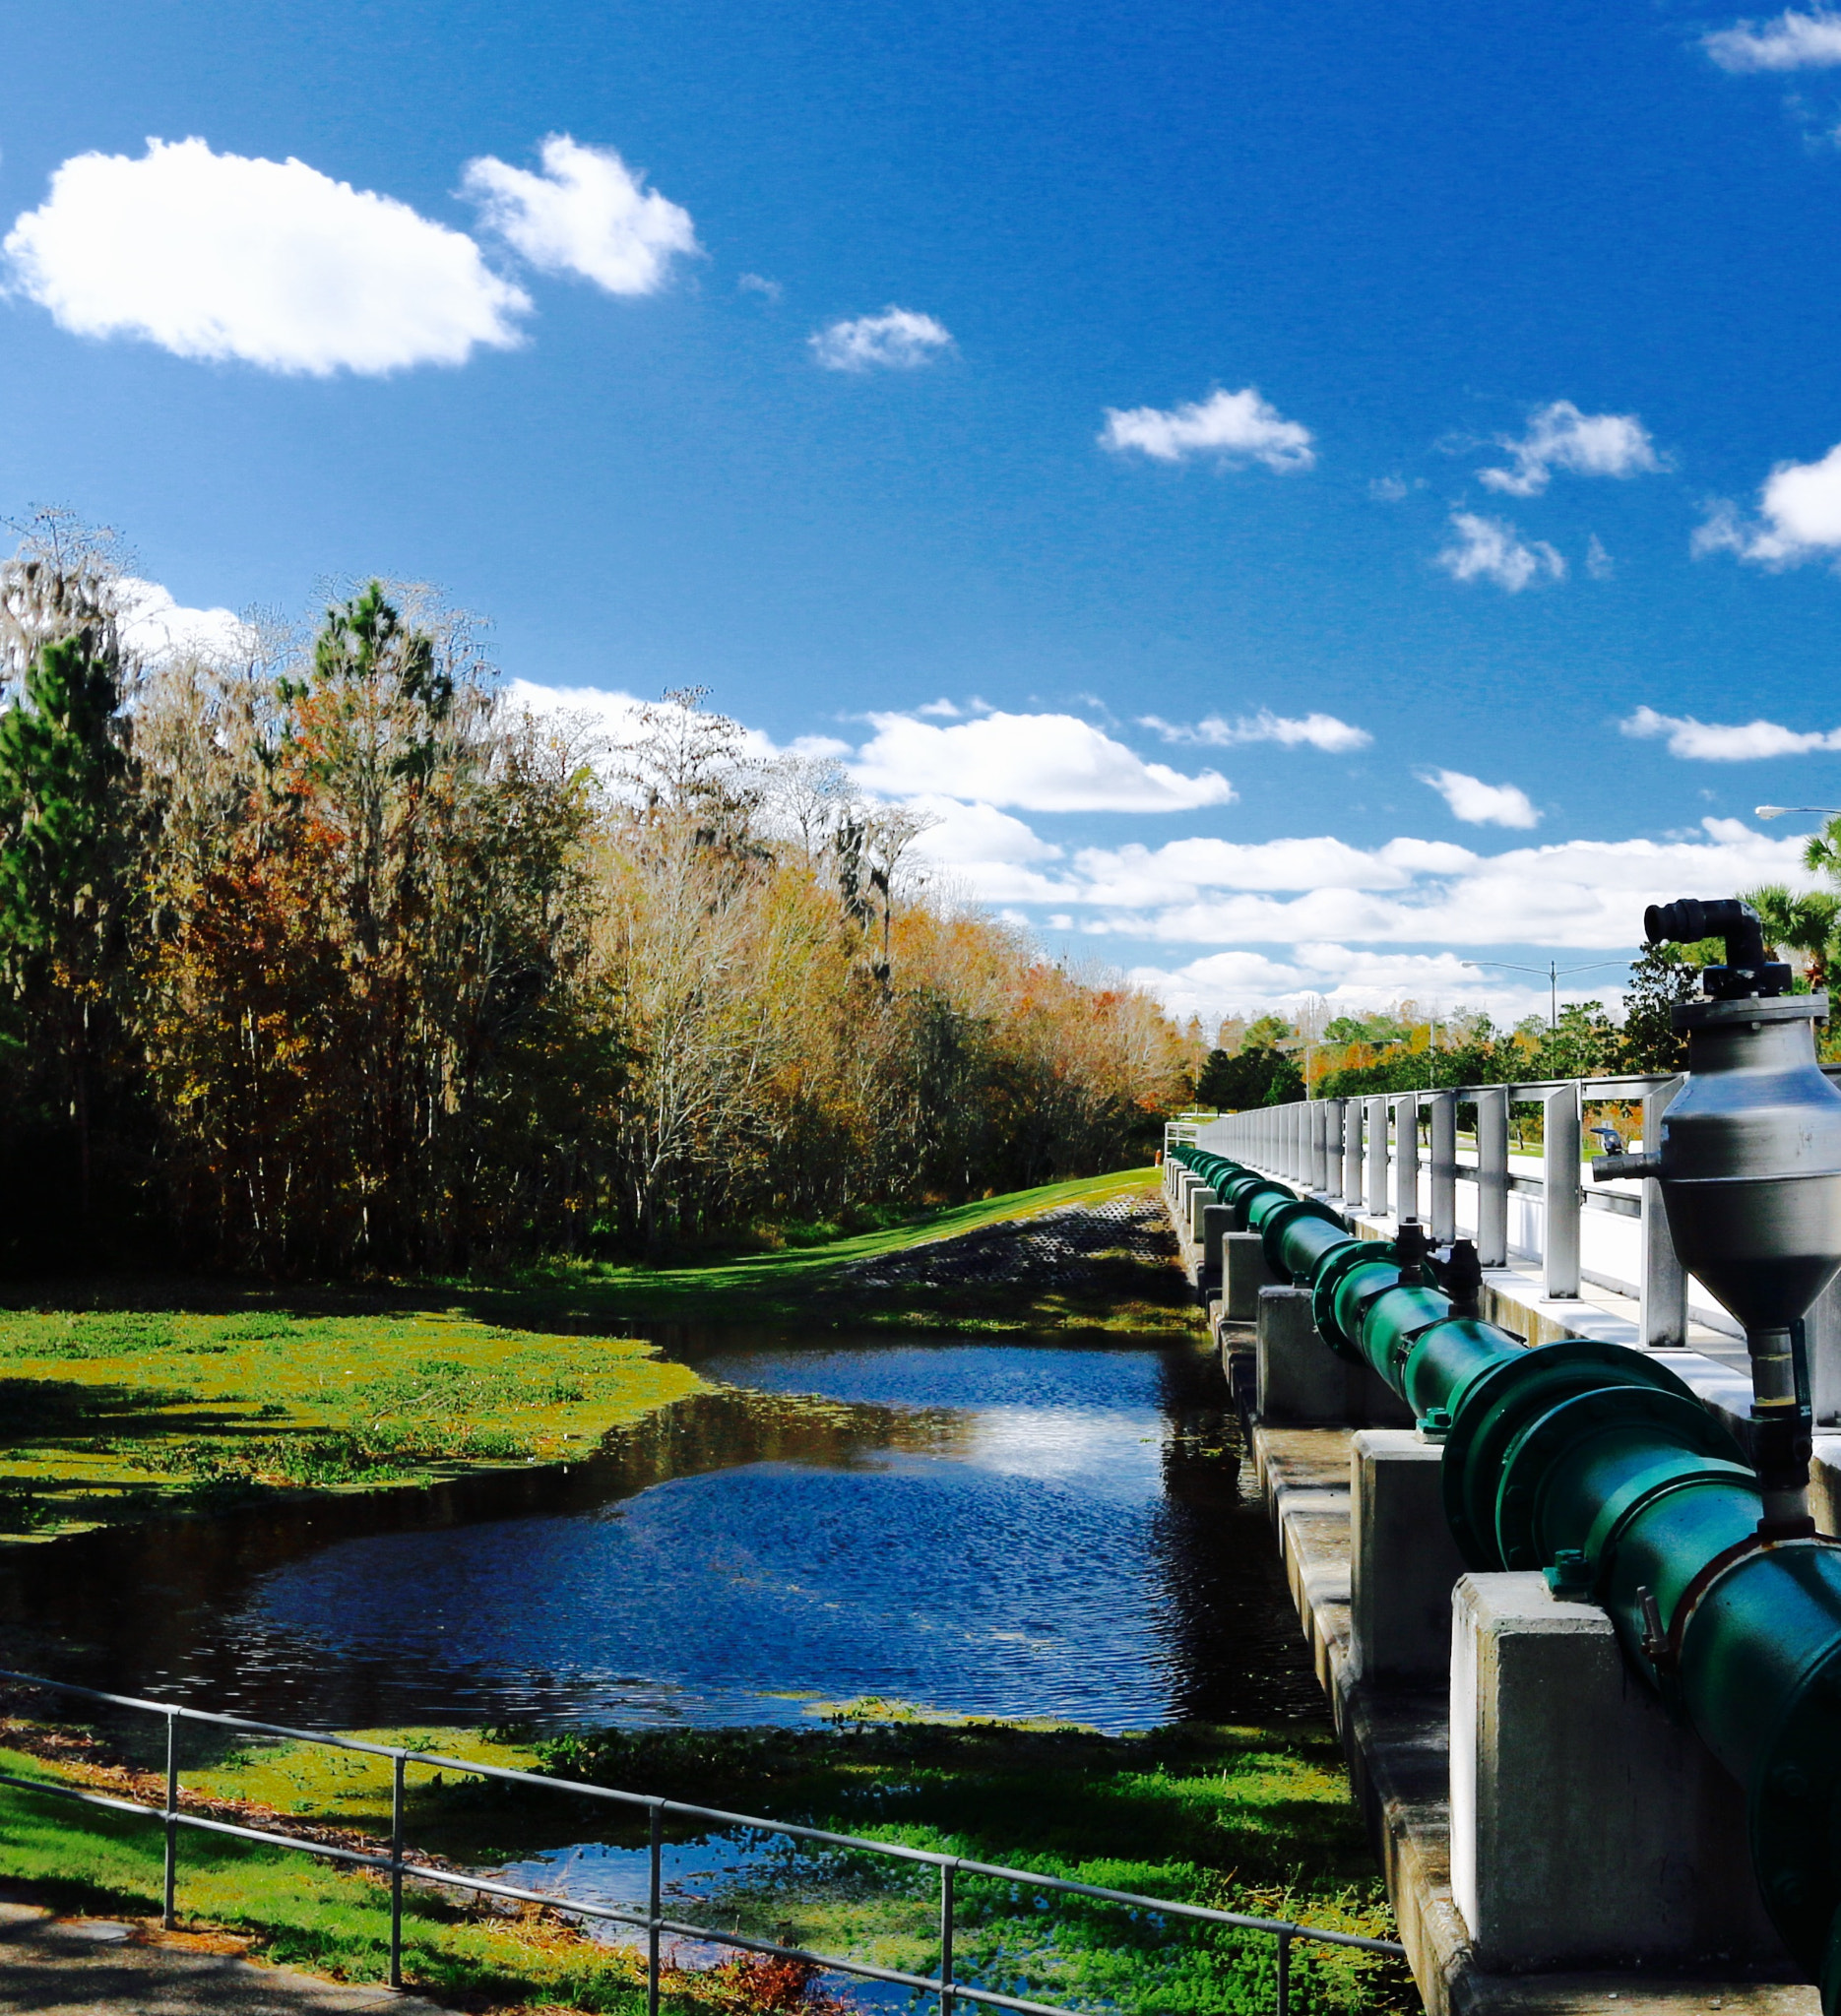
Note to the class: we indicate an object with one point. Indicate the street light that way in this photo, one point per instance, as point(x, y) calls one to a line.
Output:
point(1551, 973)
point(1779, 811)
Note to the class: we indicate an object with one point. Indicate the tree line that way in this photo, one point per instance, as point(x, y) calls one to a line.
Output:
point(316, 957)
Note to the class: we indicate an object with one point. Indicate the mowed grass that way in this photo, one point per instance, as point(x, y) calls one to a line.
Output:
point(106, 1414)
point(1250, 1820)
point(121, 1399)
point(802, 1283)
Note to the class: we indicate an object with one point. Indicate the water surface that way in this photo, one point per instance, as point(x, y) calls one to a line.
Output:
point(988, 1529)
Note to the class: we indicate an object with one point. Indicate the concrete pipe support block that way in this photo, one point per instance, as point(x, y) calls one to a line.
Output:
point(1403, 1562)
point(1301, 1381)
point(1588, 1827)
point(1244, 1273)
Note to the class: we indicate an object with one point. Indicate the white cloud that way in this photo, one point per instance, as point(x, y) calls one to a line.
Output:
point(218, 256)
point(1177, 872)
point(1037, 762)
point(898, 340)
point(1559, 436)
point(759, 284)
point(1491, 549)
point(1588, 894)
point(1388, 490)
point(612, 717)
point(992, 857)
point(1234, 426)
point(1481, 804)
point(1320, 730)
point(1343, 980)
point(1716, 742)
point(1331, 915)
point(940, 710)
point(1800, 509)
point(155, 627)
point(1598, 562)
point(1793, 42)
point(588, 212)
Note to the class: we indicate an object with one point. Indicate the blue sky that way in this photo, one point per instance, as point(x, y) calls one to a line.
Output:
point(1418, 395)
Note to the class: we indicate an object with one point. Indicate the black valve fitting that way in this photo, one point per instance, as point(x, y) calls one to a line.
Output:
point(1746, 971)
point(1411, 1247)
point(1459, 1272)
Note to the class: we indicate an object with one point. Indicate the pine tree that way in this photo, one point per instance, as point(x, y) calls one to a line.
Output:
point(65, 828)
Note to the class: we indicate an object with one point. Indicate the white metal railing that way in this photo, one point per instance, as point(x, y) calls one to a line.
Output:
point(1397, 1155)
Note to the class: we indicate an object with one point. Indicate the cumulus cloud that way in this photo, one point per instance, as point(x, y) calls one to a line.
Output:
point(1705, 742)
point(1798, 516)
point(1491, 549)
point(1561, 436)
point(1481, 804)
point(155, 627)
point(1344, 979)
point(611, 716)
point(897, 339)
point(1317, 730)
point(588, 212)
point(1793, 42)
point(1584, 894)
point(1036, 762)
point(222, 256)
point(1232, 426)
point(992, 857)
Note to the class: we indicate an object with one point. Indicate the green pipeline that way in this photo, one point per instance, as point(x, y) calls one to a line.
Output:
point(1600, 1466)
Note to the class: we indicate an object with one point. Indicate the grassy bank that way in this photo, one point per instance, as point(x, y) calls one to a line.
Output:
point(121, 1399)
point(1257, 1821)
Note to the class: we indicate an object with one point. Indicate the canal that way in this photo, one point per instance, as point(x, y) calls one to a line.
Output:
point(986, 1528)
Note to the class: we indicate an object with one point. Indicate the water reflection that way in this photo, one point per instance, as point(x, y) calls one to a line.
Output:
point(988, 1528)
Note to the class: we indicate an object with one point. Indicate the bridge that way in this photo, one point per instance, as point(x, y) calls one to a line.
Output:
point(1545, 1465)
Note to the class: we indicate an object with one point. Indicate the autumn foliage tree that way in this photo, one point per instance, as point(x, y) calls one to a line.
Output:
point(389, 975)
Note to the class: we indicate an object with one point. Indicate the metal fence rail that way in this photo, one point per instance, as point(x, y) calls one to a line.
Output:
point(397, 1864)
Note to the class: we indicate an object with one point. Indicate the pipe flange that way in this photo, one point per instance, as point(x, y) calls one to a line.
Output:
point(1521, 1488)
point(1500, 1402)
point(1323, 1294)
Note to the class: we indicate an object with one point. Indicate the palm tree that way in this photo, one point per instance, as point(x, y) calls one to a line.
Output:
point(1804, 923)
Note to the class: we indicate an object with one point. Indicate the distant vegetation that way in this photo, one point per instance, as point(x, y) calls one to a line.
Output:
point(318, 959)
point(1403, 1049)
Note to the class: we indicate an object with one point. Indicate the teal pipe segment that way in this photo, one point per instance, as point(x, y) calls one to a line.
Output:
point(1599, 1466)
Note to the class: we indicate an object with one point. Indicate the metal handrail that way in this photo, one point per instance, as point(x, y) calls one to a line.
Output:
point(397, 1864)
point(1366, 1152)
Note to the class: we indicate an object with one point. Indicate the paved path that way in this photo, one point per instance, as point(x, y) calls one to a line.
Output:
point(91, 1967)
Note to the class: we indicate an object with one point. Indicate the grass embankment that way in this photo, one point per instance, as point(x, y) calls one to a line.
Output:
point(1251, 1821)
point(122, 1398)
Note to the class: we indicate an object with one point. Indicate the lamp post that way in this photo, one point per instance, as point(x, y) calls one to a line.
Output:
point(1551, 973)
point(1780, 811)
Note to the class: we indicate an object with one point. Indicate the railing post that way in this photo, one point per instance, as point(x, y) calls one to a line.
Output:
point(1560, 1181)
point(1377, 1156)
point(171, 1876)
point(655, 1906)
point(1316, 1134)
point(1443, 1215)
point(1353, 1111)
point(947, 1999)
point(1492, 1177)
point(1664, 1278)
point(1406, 1156)
point(1285, 1973)
point(396, 1874)
point(1335, 1120)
